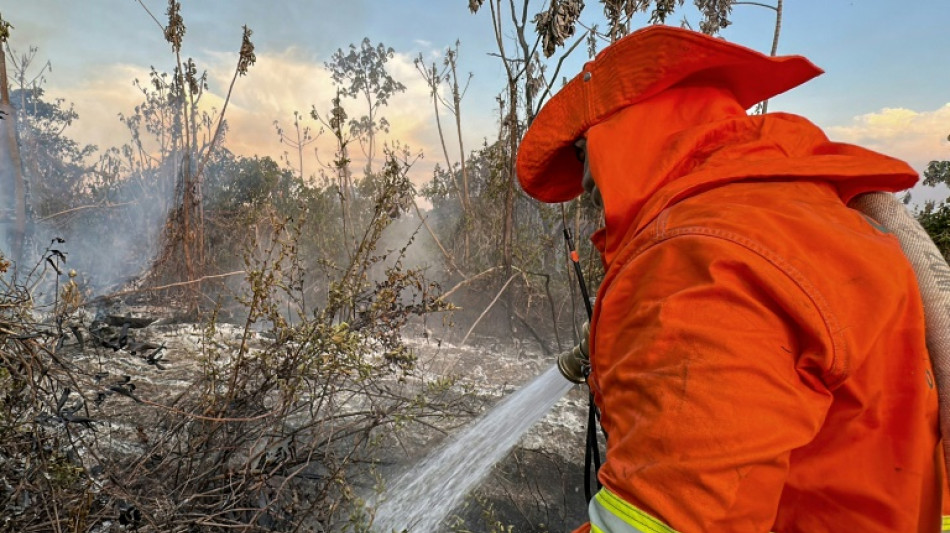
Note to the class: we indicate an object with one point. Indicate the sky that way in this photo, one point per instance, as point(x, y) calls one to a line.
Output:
point(886, 84)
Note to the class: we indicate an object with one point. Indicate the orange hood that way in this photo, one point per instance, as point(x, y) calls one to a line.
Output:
point(663, 111)
point(688, 139)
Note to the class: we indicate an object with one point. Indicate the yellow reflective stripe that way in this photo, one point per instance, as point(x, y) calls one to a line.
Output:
point(945, 528)
point(610, 514)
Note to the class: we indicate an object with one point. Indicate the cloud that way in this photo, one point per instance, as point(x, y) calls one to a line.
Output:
point(276, 86)
point(99, 99)
point(279, 84)
point(915, 136)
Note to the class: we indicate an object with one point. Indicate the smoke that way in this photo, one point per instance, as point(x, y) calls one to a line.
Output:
point(110, 244)
point(113, 220)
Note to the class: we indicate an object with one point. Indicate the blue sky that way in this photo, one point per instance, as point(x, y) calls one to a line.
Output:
point(886, 85)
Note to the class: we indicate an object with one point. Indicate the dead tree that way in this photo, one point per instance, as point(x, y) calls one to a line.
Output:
point(11, 166)
point(183, 245)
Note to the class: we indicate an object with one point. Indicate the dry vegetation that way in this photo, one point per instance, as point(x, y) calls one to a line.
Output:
point(274, 426)
point(267, 400)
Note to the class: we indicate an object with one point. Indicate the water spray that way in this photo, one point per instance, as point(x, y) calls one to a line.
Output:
point(421, 498)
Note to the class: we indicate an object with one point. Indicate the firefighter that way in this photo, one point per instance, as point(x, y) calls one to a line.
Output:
point(757, 348)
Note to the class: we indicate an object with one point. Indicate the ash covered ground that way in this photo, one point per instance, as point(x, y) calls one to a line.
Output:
point(150, 358)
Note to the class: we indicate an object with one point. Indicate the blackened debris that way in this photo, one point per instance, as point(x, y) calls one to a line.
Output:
point(79, 337)
point(132, 321)
point(125, 388)
point(129, 514)
point(155, 357)
point(66, 415)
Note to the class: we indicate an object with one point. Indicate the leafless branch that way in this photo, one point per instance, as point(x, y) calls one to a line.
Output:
point(467, 281)
point(169, 286)
point(773, 8)
point(490, 305)
point(557, 69)
point(82, 208)
point(445, 253)
point(141, 3)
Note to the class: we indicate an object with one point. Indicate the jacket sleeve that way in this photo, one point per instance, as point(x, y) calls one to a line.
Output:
point(708, 365)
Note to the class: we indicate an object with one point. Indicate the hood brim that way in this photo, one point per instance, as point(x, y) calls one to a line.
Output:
point(631, 70)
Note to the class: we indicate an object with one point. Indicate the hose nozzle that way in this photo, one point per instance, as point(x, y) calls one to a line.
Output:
point(574, 364)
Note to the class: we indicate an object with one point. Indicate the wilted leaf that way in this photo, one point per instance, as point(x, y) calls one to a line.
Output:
point(247, 57)
point(557, 23)
point(715, 15)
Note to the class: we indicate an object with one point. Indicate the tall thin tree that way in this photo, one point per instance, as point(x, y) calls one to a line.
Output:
point(11, 173)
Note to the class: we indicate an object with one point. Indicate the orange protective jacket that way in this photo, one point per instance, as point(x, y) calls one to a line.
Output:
point(757, 347)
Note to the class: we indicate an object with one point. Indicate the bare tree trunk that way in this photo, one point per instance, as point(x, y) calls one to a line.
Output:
point(445, 253)
point(433, 78)
point(344, 208)
point(184, 234)
point(775, 36)
point(300, 144)
point(778, 27)
point(457, 110)
point(182, 230)
point(371, 152)
point(14, 165)
point(345, 192)
point(512, 125)
point(509, 127)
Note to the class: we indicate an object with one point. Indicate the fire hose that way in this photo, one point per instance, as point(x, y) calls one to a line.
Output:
point(933, 280)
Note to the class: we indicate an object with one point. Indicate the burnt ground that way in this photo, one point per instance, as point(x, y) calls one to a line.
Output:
point(538, 488)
